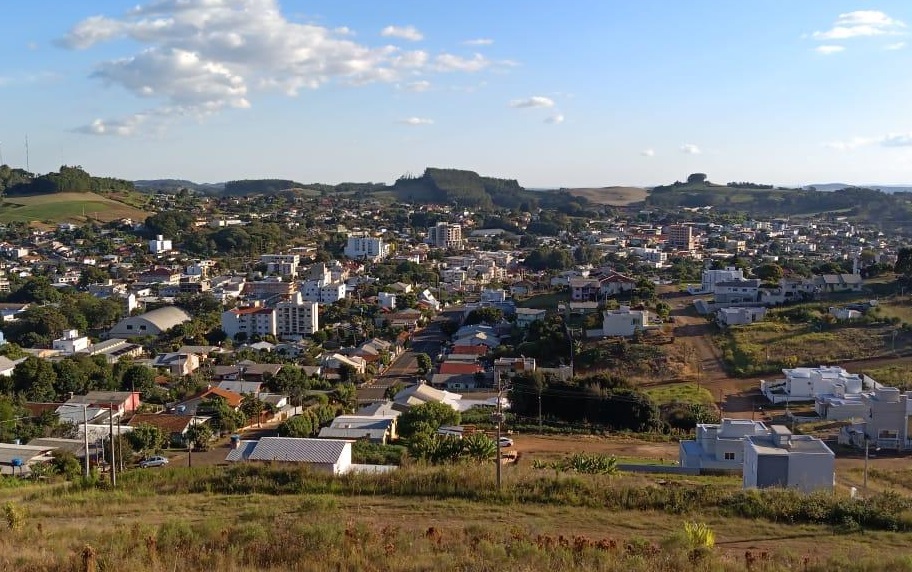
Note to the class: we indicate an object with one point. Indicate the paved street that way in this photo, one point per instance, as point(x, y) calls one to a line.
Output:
point(405, 369)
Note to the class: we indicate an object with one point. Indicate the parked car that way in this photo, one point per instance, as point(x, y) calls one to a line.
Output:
point(506, 442)
point(153, 462)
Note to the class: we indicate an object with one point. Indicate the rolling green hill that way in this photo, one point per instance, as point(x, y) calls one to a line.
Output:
point(62, 207)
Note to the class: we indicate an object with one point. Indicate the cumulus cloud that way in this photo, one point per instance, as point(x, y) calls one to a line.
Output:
point(534, 101)
point(199, 57)
point(555, 119)
point(690, 149)
point(416, 121)
point(828, 49)
point(410, 33)
point(479, 42)
point(859, 24)
point(647, 153)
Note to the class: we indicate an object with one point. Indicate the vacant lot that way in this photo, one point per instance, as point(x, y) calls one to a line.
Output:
point(616, 196)
point(770, 346)
point(680, 392)
point(60, 207)
point(548, 301)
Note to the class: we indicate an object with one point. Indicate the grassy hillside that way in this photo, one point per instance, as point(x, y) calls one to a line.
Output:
point(61, 207)
point(449, 518)
point(614, 196)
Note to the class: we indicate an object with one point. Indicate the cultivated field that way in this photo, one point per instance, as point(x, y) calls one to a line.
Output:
point(615, 196)
point(62, 207)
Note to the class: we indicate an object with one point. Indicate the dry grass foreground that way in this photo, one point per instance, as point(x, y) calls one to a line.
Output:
point(171, 520)
point(614, 196)
point(60, 207)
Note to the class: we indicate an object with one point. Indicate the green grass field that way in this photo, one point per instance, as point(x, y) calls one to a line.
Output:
point(548, 301)
point(682, 392)
point(769, 346)
point(62, 207)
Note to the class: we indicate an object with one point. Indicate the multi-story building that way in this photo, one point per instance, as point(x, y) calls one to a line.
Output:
point(445, 235)
point(366, 247)
point(159, 245)
point(681, 236)
point(250, 321)
point(71, 343)
point(296, 317)
point(719, 445)
point(281, 264)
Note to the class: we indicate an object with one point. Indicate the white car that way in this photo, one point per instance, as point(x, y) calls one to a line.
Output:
point(506, 442)
point(153, 462)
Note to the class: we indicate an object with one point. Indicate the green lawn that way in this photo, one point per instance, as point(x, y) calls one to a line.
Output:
point(683, 392)
point(548, 301)
point(60, 207)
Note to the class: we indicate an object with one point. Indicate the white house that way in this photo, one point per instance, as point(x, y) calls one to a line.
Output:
point(624, 321)
point(387, 300)
point(711, 277)
point(781, 459)
point(844, 313)
point(159, 245)
point(325, 455)
point(737, 316)
point(719, 446)
point(808, 383)
point(526, 316)
point(71, 343)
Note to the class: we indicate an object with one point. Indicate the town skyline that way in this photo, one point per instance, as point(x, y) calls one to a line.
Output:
point(604, 94)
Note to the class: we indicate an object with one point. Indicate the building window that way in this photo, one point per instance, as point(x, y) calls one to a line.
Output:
point(729, 456)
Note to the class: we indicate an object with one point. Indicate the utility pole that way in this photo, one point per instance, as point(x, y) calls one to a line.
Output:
point(540, 388)
point(113, 448)
point(85, 435)
point(498, 420)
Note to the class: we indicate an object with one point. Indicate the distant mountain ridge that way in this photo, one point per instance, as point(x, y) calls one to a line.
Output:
point(176, 184)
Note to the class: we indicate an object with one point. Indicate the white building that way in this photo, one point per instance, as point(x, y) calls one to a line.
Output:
point(71, 343)
point(711, 277)
point(281, 264)
point(781, 459)
point(719, 446)
point(739, 316)
point(296, 317)
point(159, 245)
point(624, 321)
point(445, 235)
point(387, 300)
point(809, 383)
point(324, 455)
point(367, 247)
point(250, 321)
point(320, 286)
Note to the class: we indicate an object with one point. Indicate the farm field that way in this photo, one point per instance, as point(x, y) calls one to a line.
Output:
point(615, 196)
point(62, 207)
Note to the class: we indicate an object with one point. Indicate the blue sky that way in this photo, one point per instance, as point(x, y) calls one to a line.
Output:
point(585, 93)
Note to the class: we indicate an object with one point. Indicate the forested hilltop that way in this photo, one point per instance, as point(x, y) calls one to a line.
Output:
point(66, 180)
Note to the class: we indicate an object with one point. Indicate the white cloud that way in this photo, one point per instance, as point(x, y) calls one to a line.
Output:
point(122, 127)
point(416, 86)
point(648, 153)
point(479, 42)
point(895, 46)
point(897, 140)
point(889, 140)
point(410, 33)
point(861, 23)
point(416, 121)
point(202, 56)
point(690, 149)
point(555, 119)
point(829, 49)
point(534, 101)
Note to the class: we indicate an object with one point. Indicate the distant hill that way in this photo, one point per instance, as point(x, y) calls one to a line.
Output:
point(614, 196)
point(52, 208)
point(865, 204)
point(829, 187)
point(17, 182)
point(171, 185)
